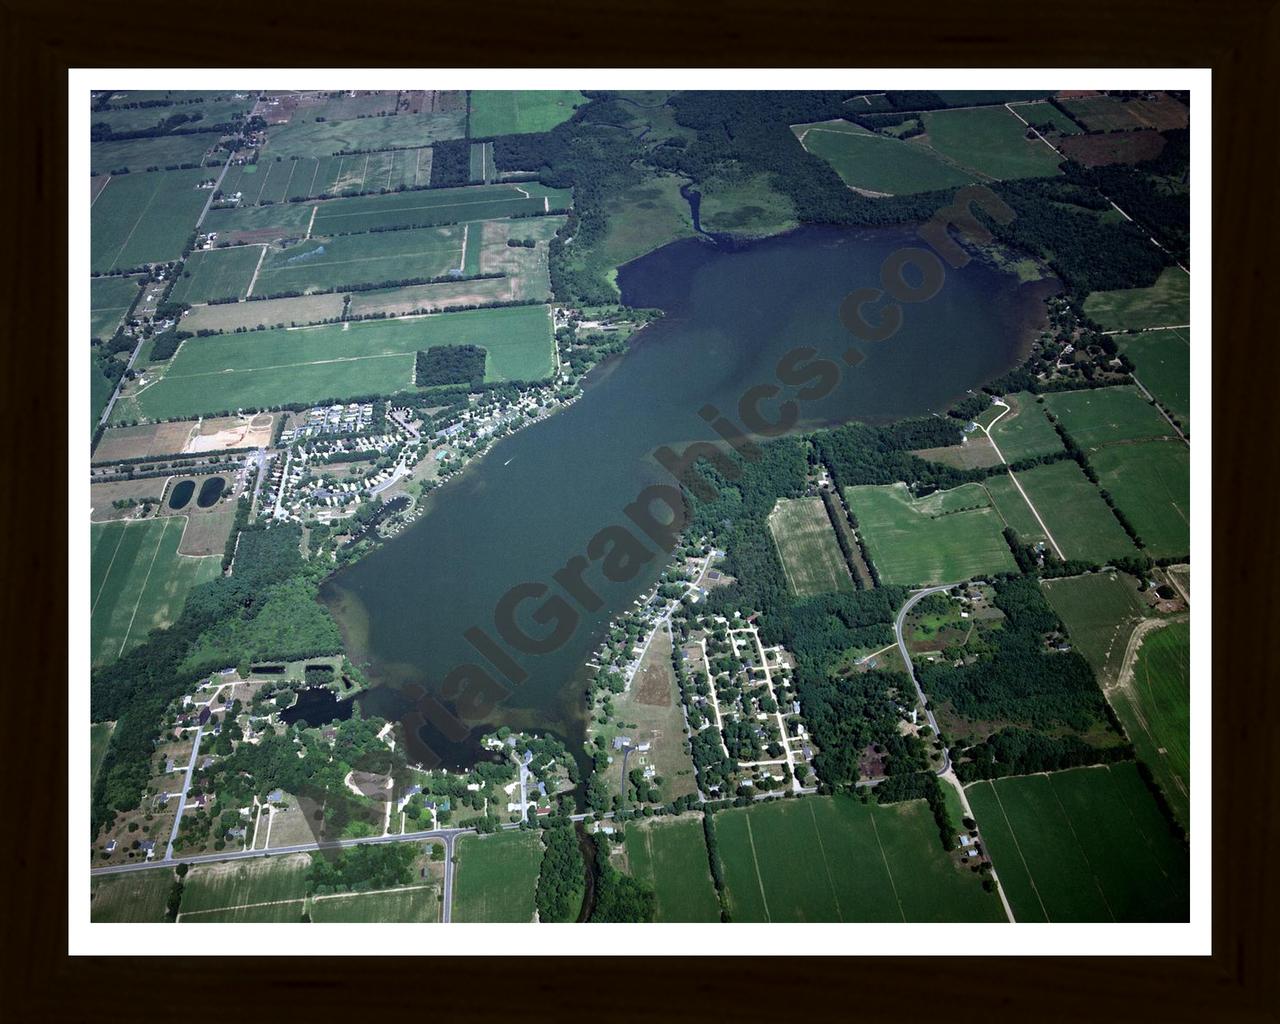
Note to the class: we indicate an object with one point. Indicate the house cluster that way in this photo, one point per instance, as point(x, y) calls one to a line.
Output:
point(334, 419)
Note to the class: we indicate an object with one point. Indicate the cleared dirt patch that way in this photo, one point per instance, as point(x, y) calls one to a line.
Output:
point(653, 681)
point(1113, 147)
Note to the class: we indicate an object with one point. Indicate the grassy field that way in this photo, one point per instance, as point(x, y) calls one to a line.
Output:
point(145, 218)
point(496, 877)
point(876, 163)
point(1098, 416)
point(808, 549)
point(138, 581)
point(217, 274)
point(1013, 508)
point(416, 905)
point(642, 218)
point(109, 300)
point(989, 141)
point(294, 311)
point(260, 223)
point(134, 897)
point(1100, 612)
point(1150, 482)
point(139, 154)
point(1024, 431)
point(745, 205)
point(242, 883)
point(294, 178)
point(1156, 711)
point(945, 537)
point(671, 857)
point(306, 137)
point(1083, 845)
point(1108, 113)
point(1043, 112)
point(437, 206)
point(99, 734)
point(319, 264)
point(338, 361)
point(514, 111)
point(1073, 511)
point(836, 859)
point(1162, 361)
point(1167, 303)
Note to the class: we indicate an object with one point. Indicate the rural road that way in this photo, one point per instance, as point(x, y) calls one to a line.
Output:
point(182, 797)
point(906, 657)
point(1014, 480)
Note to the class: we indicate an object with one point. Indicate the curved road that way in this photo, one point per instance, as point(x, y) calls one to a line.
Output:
point(911, 669)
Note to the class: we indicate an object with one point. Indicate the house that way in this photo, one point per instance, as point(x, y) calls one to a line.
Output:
point(275, 796)
point(111, 846)
point(168, 764)
point(148, 846)
point(966, 841)
point(236, 833)
point(204, 715)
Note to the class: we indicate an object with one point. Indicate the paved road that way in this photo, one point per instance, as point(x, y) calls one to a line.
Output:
point(906, 657)
point(106, 413)
point(182, 797)
point(446, 910)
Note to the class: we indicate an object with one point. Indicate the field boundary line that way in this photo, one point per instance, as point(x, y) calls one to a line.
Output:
point(254, 280)
point(1018, 846)
point(368, 892)
point(107, 575)
point(440, 206)
point(143, 589)
point(358, 259)
point(756, 861)
point(289, 366)
point(888, 870)
point(241, 906)
point(1075, 835)
point(987, 430)
point(822, 848)
point(101, 190)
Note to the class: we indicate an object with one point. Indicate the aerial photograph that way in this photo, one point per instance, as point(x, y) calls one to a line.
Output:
point(638, 506)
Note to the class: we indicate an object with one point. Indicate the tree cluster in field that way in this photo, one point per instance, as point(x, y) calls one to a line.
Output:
point(371, 866)
point(560, 879)
point(619, 898)
point(1019, 677)
point(450, 364)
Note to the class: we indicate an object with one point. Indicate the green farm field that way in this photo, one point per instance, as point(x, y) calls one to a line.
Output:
point(260, 223)
point(217, 274)
point(413, 904)
point(297, 310)
point(323, 263)
point(989, 141)
point(109, 300)
point(1150, 482)
point(807, 546)
point(233, 884)
point(1024, 431)
point(263, 369)
point(305, 137)
point(145, 218)
point(1100, 611)
point(1044, 112)
point(437, 206)
point(138, 581)
point(944, 537)
point(515, 111)
point(671, 857)
point(1167, 303)
point(131, 898)
point(1098, 416)
point(1155, 708)
point(293, 178)
point(1088, 844)
point(835, 859)
point(496, 877)
point(138, 154)
point(878, 163)
point(1013, 509)
point(1073, 511)
point(1162, 361)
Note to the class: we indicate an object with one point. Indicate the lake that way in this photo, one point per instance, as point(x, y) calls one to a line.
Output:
point(536, 499)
